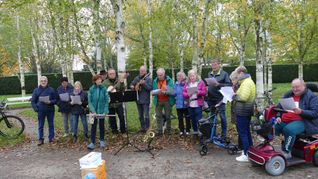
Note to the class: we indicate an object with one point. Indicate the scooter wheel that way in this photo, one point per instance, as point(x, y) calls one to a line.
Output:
point(315, 158)
point(275, 166)
point(204, 150)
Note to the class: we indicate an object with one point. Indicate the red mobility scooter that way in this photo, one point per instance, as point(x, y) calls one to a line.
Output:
point(304, 150)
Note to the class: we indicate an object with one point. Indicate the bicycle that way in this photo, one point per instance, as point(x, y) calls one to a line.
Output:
point(11, 126)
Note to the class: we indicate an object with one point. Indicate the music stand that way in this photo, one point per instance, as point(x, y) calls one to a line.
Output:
point(127, 96)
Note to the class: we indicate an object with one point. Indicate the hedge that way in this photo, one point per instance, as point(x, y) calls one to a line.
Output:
point(281, 74)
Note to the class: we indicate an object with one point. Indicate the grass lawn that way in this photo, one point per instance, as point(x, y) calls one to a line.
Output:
point(132, 117)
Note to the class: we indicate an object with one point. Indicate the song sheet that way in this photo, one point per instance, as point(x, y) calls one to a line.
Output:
point(76, 99)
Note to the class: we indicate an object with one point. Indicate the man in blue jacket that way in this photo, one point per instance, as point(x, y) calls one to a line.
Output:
point(303, 118)
point(43, 100)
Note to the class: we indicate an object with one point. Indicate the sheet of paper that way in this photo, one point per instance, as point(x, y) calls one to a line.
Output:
point(227, 93)
point(64, 97)
point(211, 81)
point(156, 91)
point(192, 90)
point(44, 99)
point(288, 103)
point(170, 90)
point(76, 99)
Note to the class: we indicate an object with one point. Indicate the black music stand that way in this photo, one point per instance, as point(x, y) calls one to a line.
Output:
point(124, 97)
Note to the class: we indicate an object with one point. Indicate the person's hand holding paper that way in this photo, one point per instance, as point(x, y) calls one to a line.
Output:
point(192, 90)
point(211, 81)
point(156, 92)
point(288, 104)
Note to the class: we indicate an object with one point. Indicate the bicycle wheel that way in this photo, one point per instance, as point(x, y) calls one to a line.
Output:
point(11, 126)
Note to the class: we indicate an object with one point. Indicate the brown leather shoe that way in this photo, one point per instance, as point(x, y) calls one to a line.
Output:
point(40, 142)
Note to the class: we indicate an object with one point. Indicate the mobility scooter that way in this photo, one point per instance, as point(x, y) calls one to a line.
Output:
point(304, 150)
point(207, 133)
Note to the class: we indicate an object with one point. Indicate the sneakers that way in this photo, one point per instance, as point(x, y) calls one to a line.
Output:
point(40, 142)
point(187, 133)
point(91, 146)
point(102, 144)
point(242, 158)
point(181, 134)
point(65, 135)
point(74, 139)
point(287, 155)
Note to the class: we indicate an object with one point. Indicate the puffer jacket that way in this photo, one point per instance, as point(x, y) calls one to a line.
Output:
point(245, 96)
point(308, 103)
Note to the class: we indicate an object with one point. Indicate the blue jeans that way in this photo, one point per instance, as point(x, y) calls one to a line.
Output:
point(243, 127)
point(101, 122)
point(67, 118)
point(221, 109)
point(290, 131)
point(75, 123)
point(195, 115)
point(143, 112)
point(41, 120)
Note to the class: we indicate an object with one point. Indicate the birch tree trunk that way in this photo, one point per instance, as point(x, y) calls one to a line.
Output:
point(181, 55)
point(259, 58)
point(21, 65)
point(195, 36)
point(120, 43)
point(35, 53)
point(203, 38)
point(98, 50)
point(149, 8)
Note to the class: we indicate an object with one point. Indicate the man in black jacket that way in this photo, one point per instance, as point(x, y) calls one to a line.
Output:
point(214, 95)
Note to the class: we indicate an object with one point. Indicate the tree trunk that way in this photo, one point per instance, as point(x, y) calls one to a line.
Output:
point(98, 50)
point(120, 43)
point(203, 38)
point(301, 69)
point(181, 55)
point(35, 53)
point(259, 61)
point(195, 36)
point(149, 8)
point(21, 65)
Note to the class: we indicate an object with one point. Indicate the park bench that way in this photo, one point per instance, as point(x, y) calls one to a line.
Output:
point(19, 100)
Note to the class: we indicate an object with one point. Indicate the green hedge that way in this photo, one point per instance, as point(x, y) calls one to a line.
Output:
point(281, 74)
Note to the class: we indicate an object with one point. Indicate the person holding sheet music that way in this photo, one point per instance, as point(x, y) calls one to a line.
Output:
point(221, 78)
point(142, 84)
point(194, 92)
point(163, 100)
point(114, 84)
point(98, 104)
point(43, 100)
point(79, 101)
point(181, 106)
point(63, 103)
point(244, 109)
point(303, 118)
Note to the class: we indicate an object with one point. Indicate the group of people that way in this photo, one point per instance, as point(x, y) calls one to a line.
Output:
point(189, 94)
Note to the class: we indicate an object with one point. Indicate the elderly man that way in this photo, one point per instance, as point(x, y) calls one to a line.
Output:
point(163, 99)
point(214, 95)
point(43, 100)
point(303, 118)
point(114, 84)
point(143, 86)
